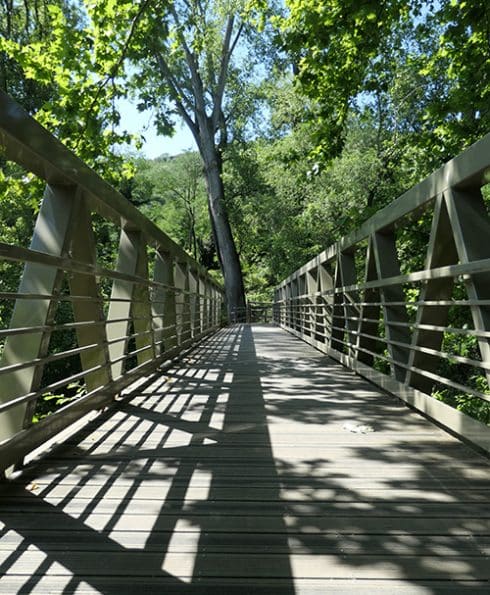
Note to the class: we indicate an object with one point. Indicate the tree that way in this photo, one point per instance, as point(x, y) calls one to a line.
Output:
point(195, 62)
point(23, 23)
point(195, 59)
point(171, 192)
point(53, 66)
point(347, 53)
point(189, 60)
point(332, 44)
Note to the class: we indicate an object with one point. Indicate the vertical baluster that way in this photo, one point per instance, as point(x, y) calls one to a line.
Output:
point(369, 312)
point(194, 317)
point(129, 301)
point(158, 295)
point(441, 252)
point(182, 304)
point(324, 305)
point(387, 265)
point(471, 227)
point(83, 249)
point(343, 337)
point(311, 290)
point(51, 236)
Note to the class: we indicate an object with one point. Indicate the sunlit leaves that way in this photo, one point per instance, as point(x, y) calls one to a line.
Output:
point(82, 60)
point(171, 191)
point(338, 48)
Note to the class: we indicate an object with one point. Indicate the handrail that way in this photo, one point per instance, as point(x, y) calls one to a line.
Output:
point(122, 322)
point(375, 310)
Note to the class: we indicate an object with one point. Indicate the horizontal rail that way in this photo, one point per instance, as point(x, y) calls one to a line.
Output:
point(253, 312)
point(70, 265)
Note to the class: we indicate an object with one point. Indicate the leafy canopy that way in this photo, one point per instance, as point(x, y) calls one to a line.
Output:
point(347, 51)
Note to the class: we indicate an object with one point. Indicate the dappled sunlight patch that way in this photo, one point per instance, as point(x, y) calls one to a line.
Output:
point(460, 569)
point(357, 428)
point(202, 479)
point(174, 438)
point(218, 417)
point(32, 565)
point(182, 565)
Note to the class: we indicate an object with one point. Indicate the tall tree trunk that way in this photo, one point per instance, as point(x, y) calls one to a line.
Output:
point(200, 103)
point(225, 244)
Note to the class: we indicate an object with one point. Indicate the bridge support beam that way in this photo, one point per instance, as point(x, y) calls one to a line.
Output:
point(53, 235)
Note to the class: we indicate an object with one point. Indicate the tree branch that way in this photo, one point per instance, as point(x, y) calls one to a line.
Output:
point(227, 51)
point(115, 69)
point(191, 62)
point(177, 94)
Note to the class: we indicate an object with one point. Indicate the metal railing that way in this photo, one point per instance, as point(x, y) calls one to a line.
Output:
point(82, 329)
point(253, 312)
point(405, 299)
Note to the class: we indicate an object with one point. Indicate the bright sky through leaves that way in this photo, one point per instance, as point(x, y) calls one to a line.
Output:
point(154, 145)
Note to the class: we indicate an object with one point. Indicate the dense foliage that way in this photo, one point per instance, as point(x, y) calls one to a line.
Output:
point(423, 65)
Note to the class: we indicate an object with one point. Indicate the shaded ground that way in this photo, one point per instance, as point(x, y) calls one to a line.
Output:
point(240, 472)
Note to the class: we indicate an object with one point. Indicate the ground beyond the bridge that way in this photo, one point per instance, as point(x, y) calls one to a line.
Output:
point(256, 466)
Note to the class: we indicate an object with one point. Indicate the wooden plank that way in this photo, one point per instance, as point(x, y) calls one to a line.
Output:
point(244, 586)
point(257, 455)
point(261, 565)
point(283, 524)
point(230, 476)
point(297, 543)
point(40, 480)
point(258, 508)
point(249, 491)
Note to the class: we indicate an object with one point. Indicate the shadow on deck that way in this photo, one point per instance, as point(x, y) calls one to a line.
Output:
point(242, 472)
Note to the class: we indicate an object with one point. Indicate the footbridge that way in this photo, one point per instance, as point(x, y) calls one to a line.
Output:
point(333, 441)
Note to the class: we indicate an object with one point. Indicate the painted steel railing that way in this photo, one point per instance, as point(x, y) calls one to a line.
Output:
point(253, 312)
point(81, 329)
point(405, 299)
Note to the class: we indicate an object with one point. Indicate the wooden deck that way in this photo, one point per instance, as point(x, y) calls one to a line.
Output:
point(242, 472)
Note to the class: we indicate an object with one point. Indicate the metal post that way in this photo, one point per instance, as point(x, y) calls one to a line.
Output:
point(51, 236)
